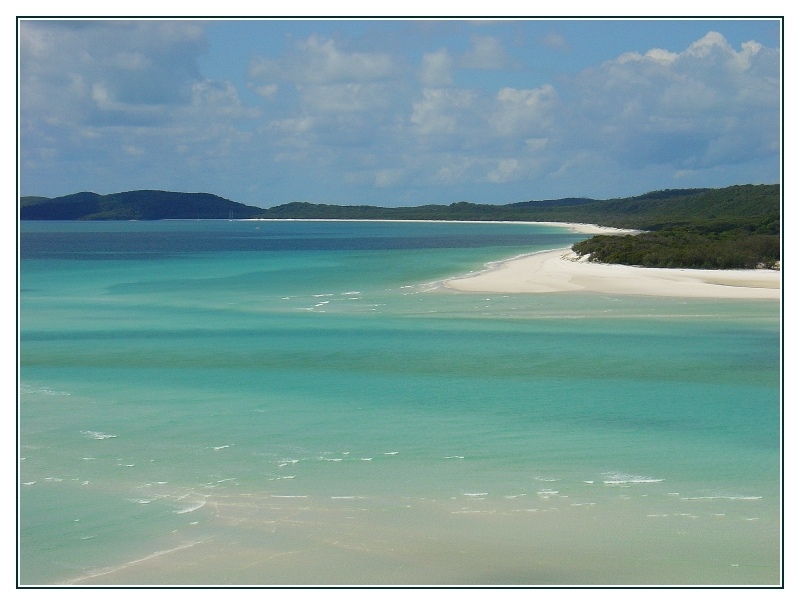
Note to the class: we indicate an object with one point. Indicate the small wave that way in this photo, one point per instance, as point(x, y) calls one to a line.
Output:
point(623, 479)
point(191, 508)
point(278, 496)
point(220, 447)
point(390, 453)
point(28, 390)
point(721, 498)
point(98, 435)
point(476, 494)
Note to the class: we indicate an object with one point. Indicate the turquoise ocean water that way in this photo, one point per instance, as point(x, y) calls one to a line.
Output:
point(299, 403)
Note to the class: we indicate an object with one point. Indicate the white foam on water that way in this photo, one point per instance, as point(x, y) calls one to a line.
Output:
point(721, 498)
point(29, 483)
point(454, 457)
point(546, 493)
point(280, 496)
point(221, 447)
point(475, 494)
point(390, 453)
point(321, 295)
point(111, 569)
point(97, 435)
point(624, 479)
point(366, 459)
point(191, 508)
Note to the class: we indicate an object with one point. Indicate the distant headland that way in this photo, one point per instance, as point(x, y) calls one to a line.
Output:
point(730, 227)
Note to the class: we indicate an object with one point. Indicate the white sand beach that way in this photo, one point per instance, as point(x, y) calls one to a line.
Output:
point(562, 271)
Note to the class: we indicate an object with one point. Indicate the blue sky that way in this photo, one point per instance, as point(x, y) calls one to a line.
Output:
point(398, 112)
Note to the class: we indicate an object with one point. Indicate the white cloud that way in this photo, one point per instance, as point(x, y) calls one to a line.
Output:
point(505, 171)
point(707, 105)
point(554, 41)
point(522, 112)
point(345, 98)
point(110, 96)
point(436, 69)
point(388, 177)
point(486, 53)
point(319, 61)
point(267, 91)
point(441, 110)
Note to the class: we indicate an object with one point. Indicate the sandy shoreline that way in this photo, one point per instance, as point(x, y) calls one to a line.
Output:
point(562, 271)
point(586, 228)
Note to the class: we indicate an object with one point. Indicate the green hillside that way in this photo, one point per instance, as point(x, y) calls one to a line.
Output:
point(736, 226)
point(134, 205)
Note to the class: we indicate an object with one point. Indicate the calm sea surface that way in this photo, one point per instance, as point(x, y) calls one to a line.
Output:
point(283, 403)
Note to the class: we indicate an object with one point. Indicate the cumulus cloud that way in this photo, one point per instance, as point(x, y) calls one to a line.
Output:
point(436, 69)
point(441, 111)
point(554, 41)
point(523, 112)
point(486, 53)
point(706, 105)
point(320, 61)
point(101, 93)
point(323, 115)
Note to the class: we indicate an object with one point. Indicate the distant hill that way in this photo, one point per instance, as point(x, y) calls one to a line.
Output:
point(134, 205)
point(731, 227)
point(714, 208)
point(654, 210)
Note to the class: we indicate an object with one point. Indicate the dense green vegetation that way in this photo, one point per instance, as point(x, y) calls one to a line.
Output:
point(685, 248)
point(133, 205)
point(731, 227)
point(735, 227)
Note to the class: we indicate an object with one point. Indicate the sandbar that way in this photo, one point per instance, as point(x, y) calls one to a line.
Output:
point(563, 271)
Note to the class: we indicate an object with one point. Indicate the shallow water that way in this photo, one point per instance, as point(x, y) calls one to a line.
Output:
point(214, 402)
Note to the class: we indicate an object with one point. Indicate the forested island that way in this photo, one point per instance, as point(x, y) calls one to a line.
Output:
point(730, 227)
